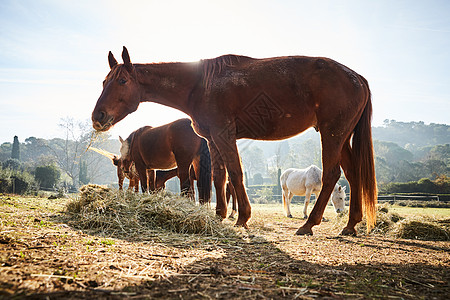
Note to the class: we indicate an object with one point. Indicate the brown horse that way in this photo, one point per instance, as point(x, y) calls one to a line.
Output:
point(232, 97)
point(166, 147)
point(132, 175)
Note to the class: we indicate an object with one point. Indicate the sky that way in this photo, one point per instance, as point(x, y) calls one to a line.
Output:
point(53, 54)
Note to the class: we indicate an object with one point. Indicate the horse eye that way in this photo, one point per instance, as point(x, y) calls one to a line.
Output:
point(122, 81)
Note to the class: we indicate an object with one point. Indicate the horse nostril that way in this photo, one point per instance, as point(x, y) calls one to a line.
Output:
point(101, 116)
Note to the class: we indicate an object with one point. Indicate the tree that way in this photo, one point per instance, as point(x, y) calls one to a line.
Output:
point(307, 153)
point(416, 133)
point(5, 151)
point(253, 160)
point(440, 152)
point(47, 176)
point(15, 153)
point(391, 152)
point(258, 179)
point(83, 174)
point(71, 150)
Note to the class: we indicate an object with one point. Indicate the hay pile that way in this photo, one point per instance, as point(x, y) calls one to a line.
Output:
point(109, 211)
point(393, 225)
point(423, 229)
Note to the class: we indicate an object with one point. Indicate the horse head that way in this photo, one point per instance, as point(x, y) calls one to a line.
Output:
point(116, 160)
point(338, 198)
point(125, 157)
point(120, 95)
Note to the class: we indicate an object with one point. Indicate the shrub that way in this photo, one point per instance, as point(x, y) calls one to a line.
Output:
point(47, 176)
point(439, 186)
point(264, 195)
point(16, 182)
point(12, 163)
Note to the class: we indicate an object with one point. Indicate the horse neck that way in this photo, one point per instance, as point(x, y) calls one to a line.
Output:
point(168, 84)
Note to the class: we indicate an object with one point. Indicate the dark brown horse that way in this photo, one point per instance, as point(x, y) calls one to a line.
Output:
point(174, 145)
point(133, 176)
point(233, 97)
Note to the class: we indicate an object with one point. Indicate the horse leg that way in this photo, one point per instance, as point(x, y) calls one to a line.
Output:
point(136, 184)
point(219, 178)
point(185, 181)
point(234, 206)
point(130, 183)
point(290, 195)
point(121, 177)
point(226, 144)
point(231, 193)
point(141, 170)
point(285, 205)
point(331, 149)
point(355, 210)
point(151, 180)
point(305, 206)
point(120, 184)
point(193, 175)
point(287, 197)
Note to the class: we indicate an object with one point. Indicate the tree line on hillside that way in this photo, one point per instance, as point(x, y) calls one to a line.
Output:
point(58, 162)
point(423, 152)
point(405, 152)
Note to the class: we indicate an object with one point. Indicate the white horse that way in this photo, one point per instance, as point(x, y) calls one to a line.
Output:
point(304, 182)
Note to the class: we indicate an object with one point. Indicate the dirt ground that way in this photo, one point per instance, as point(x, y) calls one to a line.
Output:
point(43, 258)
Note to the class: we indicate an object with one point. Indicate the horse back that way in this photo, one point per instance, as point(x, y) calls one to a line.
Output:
point(301, 180)
point(279, 97)
point(152, 147)
point(184, 141)
point(163, 147)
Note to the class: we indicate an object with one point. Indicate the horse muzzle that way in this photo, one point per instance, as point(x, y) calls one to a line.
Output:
point(101, 121)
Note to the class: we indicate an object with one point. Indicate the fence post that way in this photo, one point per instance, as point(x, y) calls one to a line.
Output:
point(278, 182)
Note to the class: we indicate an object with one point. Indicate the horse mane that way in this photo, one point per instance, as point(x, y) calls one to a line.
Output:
point(210, 68)
point(130, 139)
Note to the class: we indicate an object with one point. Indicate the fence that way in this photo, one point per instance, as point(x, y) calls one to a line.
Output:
point(381, 198)
point(396, 197)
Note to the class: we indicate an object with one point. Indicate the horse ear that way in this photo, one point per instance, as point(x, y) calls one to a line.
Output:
point(126, 59)
point(112, 61)
point(120, 139)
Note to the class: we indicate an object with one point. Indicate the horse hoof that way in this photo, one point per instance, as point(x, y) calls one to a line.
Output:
point(244, 225)
point(348, 231)
point(231, 217)
point(290, 216)
point(241, 222)
point(305, 217)
point(304, 231)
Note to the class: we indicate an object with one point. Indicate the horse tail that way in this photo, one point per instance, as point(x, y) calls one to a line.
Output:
point(363, 159)
point(204, 177)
